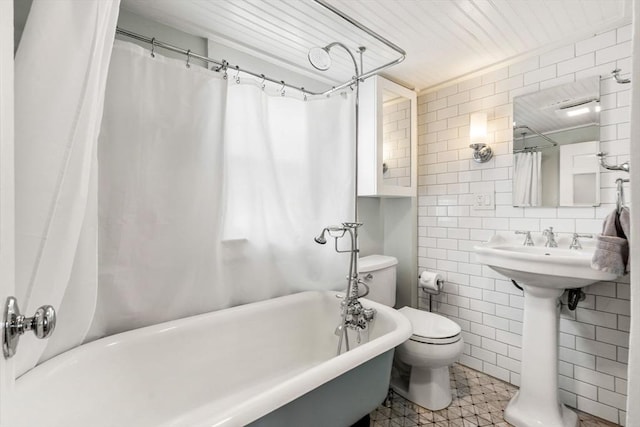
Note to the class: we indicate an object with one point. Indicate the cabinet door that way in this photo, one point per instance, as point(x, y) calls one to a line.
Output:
point(388, 139)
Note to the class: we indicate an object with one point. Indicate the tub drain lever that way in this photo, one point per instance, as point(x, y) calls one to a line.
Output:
point(15, 324)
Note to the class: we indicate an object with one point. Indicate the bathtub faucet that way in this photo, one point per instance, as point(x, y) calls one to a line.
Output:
point(354, 316)
point(357, 317)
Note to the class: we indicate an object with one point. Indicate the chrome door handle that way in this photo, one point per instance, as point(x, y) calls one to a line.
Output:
point(15, 324)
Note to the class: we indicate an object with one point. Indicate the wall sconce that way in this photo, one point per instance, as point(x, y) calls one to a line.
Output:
point(478, 138)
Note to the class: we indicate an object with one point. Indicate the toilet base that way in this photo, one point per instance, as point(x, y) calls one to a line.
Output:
point(428, 387)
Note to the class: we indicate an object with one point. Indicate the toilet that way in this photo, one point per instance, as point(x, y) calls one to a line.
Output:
point(435, 344)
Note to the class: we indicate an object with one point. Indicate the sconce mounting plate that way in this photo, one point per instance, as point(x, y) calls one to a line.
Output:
point(481, 152)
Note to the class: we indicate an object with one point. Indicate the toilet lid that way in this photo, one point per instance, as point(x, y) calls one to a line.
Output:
point(430, 327)
point(371, 263)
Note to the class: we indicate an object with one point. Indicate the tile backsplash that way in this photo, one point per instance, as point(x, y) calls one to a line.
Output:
point(594, 339)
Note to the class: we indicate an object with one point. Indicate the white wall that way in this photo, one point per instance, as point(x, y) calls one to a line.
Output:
point(390, 229)
point(594, 339)
point(371, 235)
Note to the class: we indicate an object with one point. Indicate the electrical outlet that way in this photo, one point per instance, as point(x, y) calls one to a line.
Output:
point(483, 201)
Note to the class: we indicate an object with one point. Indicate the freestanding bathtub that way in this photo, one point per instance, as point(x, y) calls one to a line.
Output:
point(270, 363)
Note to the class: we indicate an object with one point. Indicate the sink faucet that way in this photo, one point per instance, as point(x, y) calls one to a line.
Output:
point(527, 239)
point(551, 238)
point(575, 243)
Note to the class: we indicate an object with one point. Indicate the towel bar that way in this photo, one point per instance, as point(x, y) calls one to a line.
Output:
point(620, 193)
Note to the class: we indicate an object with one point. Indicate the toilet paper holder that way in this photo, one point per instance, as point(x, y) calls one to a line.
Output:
point(439, 286)
point(431, 282)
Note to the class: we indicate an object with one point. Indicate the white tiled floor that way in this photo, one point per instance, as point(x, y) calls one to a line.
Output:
point(478, 400)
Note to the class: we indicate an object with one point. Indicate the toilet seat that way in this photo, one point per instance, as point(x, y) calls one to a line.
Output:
point(431, 328)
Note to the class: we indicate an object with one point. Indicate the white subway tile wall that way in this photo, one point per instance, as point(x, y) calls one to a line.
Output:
point(594, 339)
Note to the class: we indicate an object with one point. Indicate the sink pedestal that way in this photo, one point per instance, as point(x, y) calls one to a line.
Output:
point(537, 403)
point(544, 273)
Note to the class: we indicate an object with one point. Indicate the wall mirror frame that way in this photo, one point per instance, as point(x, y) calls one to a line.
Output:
point(387, 155)
point(556, 135)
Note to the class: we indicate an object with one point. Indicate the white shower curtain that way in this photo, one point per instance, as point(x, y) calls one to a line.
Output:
point(289, 174)
point(527, 179)
point(211, 192)
point(61, 69)
point(161, 168)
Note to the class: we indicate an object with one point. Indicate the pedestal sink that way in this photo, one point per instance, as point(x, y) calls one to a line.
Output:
point(544, 273)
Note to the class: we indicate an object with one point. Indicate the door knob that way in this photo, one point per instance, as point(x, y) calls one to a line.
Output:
point(15, 324)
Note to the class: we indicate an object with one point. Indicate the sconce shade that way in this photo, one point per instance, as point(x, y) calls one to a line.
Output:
point(478, 128)
point(478, 138)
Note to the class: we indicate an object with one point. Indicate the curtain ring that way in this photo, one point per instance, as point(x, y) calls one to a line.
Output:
point(282, 91)
point(222, 67)
point(188, 58)
point(262, 85)
point(304, 94)
point(237, 74)
point(153, 47)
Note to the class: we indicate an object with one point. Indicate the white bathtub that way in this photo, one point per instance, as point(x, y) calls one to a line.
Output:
point(227, 368)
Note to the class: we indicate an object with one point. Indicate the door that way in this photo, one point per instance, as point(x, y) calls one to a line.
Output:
point(579, 174)
point(7, 229)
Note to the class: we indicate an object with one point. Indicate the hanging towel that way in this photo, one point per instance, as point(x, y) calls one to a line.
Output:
point(625, 223)
point(612, 247)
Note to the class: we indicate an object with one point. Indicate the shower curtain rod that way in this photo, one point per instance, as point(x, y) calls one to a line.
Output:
point(545, 137)
point(224, 65)
point(531, 149)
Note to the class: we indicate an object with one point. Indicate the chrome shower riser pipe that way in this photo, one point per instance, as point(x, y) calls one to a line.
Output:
point(347, 297)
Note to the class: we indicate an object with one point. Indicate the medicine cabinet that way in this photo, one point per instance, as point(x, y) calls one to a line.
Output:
point(556, 135)
point(387, 152)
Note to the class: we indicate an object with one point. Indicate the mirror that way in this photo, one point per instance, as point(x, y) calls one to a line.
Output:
point(556, 135)
point(396, 139)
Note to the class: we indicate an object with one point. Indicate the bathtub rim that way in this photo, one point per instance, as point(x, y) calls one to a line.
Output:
point(265, 401)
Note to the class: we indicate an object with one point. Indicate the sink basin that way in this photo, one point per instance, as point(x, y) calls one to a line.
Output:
point(544, 274)
point(556, 268)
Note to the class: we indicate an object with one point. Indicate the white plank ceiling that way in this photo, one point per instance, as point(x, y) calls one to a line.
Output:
point(444, 39)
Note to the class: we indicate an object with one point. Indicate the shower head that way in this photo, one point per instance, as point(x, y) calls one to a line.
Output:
point(321, 60)
point(334, 231)
point(321, 239)
point(319, 57)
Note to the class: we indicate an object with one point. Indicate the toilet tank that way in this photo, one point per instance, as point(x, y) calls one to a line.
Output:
point(379, 273)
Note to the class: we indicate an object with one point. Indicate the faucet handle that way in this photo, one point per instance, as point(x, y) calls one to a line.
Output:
point(527, 240)
point(551, 238)
point(575, 243)
point(587, 236)
point(369, 314)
